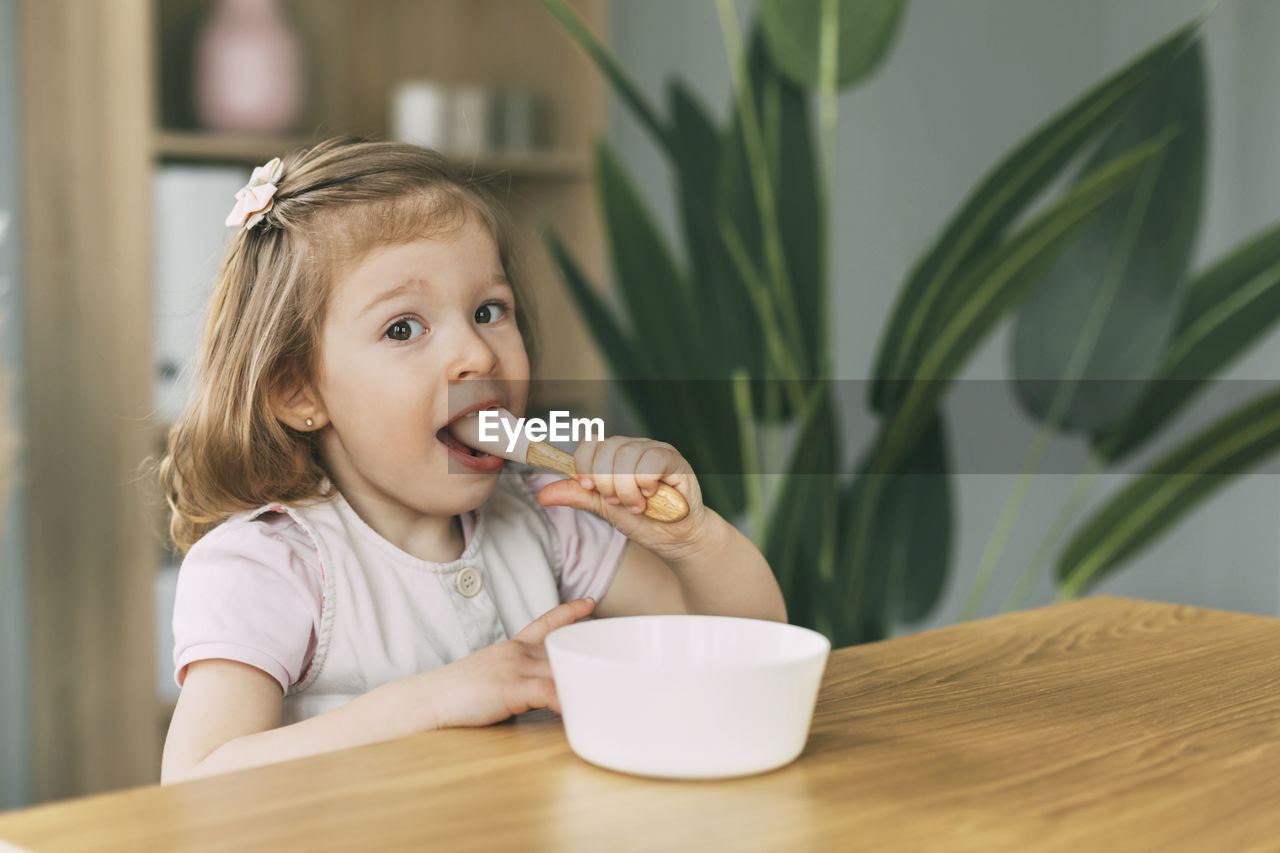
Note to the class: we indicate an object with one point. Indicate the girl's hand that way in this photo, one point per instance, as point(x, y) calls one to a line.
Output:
point(616, 477)
point(504, 679)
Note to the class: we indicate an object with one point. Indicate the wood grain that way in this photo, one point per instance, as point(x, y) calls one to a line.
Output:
point(1102, 724)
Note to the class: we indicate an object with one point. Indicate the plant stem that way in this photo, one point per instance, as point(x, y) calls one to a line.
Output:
point(750, 470)
point(828, 125)
point(828, 102)
point(827, 555)
point(759, 293)
point(761, 179)
point(1004, 525)
point(772, 446)
point(1031, 575)
point(864, 514)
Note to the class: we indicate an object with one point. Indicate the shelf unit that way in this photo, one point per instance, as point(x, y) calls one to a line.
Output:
point(183, 146)
point(105, 102)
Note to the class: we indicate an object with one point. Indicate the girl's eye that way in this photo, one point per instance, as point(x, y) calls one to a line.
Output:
point(405, 329)
point(490, 312)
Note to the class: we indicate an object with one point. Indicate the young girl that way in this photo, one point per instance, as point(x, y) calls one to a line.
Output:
point(344, 583)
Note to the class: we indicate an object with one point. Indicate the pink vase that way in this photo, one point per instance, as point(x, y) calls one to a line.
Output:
point(249, 68)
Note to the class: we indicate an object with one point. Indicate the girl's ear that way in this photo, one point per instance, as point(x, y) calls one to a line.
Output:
point(295, 403)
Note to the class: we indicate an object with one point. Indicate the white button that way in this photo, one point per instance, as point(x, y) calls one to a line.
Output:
point(468, 582)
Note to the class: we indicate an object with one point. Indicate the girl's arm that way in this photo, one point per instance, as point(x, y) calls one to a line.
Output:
point(700, 564)
point(228, 714)
point(228, 718)
point(727, 577)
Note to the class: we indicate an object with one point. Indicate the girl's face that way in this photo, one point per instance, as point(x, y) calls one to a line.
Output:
point(401, 327)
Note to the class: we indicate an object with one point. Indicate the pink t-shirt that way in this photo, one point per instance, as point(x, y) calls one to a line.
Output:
point(252, 591)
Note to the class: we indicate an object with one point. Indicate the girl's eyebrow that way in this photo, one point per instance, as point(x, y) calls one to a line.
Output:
point(408, 285)
point(500, 279)
point(394, 293)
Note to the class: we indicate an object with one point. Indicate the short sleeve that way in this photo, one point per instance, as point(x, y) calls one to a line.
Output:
point(250, 591)
point(590, 547)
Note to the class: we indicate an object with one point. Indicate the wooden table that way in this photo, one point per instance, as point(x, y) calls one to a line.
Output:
point(1097, 725)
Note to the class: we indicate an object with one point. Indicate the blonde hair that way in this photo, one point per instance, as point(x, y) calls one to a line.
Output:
point(336, 201)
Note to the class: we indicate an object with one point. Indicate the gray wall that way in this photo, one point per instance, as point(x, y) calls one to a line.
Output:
point(967, 80)
point(14, 757)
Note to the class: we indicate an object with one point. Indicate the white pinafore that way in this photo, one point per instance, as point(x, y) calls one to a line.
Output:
point(387, 614)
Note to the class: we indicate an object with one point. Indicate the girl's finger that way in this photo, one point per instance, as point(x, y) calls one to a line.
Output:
point(584, 461)
point(601, 470)
point(541, 693)
point(571, 494)
point(566, 614)
point(659, 462)
point(625, 464)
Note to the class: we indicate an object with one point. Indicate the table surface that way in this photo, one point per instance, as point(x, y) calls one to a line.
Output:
point(1099, 724)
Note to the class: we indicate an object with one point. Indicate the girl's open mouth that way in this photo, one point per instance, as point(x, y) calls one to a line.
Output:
point(469, 458)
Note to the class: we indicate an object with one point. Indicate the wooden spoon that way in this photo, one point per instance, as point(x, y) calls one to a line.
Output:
point(666, 504)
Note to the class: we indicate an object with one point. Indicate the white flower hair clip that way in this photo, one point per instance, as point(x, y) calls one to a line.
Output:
point(255, 198)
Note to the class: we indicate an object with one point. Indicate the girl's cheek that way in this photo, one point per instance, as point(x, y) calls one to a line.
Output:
point(521, 359)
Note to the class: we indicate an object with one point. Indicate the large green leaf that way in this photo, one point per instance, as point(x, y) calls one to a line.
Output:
point(626, 360)
point(651, 400)
point(802, 220)
point(651, 285)
point(912, 536)
point(1226, 311)
point(722, 308)
point(1094, 326)
point(794, 30)
point(989, 286)
point(1002, 196)
point(627, 89)
point(696, 156)
point(669, 335)
point(715, 284)
point(1177, 483)
point(796, 543)
point(783, 111)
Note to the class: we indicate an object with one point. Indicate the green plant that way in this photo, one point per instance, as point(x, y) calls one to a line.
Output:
point(857, 551)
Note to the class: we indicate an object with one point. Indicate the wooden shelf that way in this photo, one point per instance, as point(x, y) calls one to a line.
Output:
point(185, 146)
point(106, 99)
point(181, 145)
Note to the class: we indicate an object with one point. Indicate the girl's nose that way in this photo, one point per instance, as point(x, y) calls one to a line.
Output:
point(472, 355)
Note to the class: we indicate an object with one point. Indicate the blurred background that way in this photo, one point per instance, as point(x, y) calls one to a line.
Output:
point(126, 126)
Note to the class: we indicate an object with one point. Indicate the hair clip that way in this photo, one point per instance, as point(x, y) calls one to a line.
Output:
point(255, 198)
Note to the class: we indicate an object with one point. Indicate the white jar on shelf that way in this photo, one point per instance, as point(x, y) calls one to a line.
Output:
point(421, 113)
point(470, 123)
